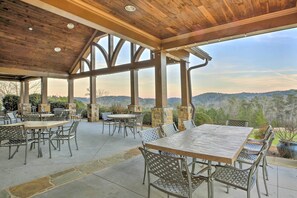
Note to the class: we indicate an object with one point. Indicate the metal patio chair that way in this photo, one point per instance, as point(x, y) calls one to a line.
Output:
point(168, 129)
point(134, 123)
point(243, 179)
point(148, 135)
point(241, 123)
point(248, 157)
point(14, 136)
point(107, 121)
point(173, 176)
point(65, 135)
point(11, 117)
point(189, 124)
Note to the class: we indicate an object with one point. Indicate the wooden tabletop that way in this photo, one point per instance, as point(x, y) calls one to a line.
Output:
point(41, 124)
point(210, 142)
point(121, 116)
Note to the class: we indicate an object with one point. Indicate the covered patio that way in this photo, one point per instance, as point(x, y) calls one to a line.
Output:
point(42, 39)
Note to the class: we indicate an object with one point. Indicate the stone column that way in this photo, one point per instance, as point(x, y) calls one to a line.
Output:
point(93, 109)
point(44, 106)
point(24, 105)
point(161, 114)
point(185, 110)
point(134, 106)
point(71, 105)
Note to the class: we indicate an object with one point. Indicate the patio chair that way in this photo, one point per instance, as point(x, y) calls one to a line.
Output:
point(189, 124)
point(11, 117)
point(148, 135)
point(249, 158)
point(168, 129)
point(134, 123)
point(107, 121)
point(14, 136)
point(31, 117)
point(243, 179)
point(254, 145)
point(65, 135)
point(173, 176)
point(240, 123)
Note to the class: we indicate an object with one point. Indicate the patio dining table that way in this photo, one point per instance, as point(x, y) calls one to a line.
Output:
point(122, 119)
point(41, 126)
point(209, 142)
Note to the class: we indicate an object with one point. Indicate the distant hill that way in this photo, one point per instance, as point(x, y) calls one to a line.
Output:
point(206, 99)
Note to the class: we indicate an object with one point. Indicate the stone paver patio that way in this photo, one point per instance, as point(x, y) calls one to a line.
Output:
point(108, 166)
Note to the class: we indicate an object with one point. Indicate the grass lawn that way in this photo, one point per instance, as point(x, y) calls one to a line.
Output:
point(275, 141)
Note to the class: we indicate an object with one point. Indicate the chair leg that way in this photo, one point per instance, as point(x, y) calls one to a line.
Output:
point(69, 148)
point(26, 154)
point(149, 191)
point(103, 128)
point(143, 180)
point(49, 148)
point(265, 165)
point(257, 185)
point(9, 152)
point(76, 143)
point(265, 184)
point(248, 193)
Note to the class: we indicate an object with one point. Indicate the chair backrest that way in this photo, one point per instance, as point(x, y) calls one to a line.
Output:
point(139, 119)
point(54, 118)
point(168, 129)
point(11, 115)
point(149, 135)
point(11, 133)
point(168, 168)
point(189, 124)
point(268, 131)
point(73, 128)
point(240, 123)
point(105, 114)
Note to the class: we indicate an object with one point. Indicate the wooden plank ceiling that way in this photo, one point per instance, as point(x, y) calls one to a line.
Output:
point(176, 24)
point(157, 24)
point(22, 50)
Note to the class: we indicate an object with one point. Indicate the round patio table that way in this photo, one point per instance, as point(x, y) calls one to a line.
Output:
point(122, 119)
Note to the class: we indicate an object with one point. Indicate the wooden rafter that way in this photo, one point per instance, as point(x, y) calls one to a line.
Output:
point(103, 51)
point(20, 72)
point(115, 53)
point(138, 53)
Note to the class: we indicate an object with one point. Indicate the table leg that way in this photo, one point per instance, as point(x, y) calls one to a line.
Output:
point(209, 182)
point(39, 148)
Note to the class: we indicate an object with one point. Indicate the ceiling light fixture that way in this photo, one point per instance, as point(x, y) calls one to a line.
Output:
point(70, 26)
point(130, 8)
point(57, 49)
point(30, 28)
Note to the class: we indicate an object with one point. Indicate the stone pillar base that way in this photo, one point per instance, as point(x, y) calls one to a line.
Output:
point(93, 112)
point(72, 108)
point(44, 108)
point(24, 108)
point(161, 116)
point(134, 108)
point(184, 113)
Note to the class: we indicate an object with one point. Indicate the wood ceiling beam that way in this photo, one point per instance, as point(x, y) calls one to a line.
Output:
point(115, 69)
point(31, 73)
point(87, 14)
point(252, 26)
point(75, 66)
point(179, 55)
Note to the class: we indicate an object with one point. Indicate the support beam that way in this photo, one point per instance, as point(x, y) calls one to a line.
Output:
point(22, 92)
point(256, 25)
point(160, 79)
point(26, 91)
point(116, 69)
point(134, 87)
point(44, 90)
point(85, 13)
point(70, 91)
point(11, 70)
point(185, 101)
point(92, 89)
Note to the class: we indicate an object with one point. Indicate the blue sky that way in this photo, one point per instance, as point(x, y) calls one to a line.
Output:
point(259, 63)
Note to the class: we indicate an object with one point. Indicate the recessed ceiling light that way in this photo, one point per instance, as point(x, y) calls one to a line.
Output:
point(30, 28)
point(130, 8)
point(70, 26)
point(57, 49)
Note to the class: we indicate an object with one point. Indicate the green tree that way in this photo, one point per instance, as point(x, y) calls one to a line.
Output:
point(10, 102)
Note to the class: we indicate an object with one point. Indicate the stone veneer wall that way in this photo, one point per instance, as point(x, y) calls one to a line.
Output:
point(24, 108)
point(134, 108)
point(161, 116)
point(93, 112)
point(72, 108)
point(45, 107)
point(184, 113)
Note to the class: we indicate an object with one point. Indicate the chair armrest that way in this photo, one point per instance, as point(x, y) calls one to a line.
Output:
point(255, 141)
point(232, 167)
